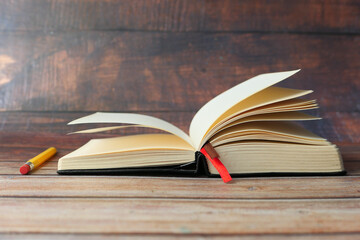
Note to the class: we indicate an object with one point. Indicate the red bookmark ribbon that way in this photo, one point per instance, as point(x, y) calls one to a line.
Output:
point(215, 161)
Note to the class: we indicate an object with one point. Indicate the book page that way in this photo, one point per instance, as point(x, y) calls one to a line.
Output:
point(278, 116)
point(212, 110)
point(262, 156)
point(105, 129)
point(133, 118)
point(272, 131)
point(131, 143)
point(279, 110)
point(265, 97)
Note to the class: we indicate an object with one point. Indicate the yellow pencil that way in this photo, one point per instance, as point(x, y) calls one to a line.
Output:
point(38, 160)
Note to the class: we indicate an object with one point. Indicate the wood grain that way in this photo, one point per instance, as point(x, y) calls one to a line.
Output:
point(146, 71)
point(56, 122)
point(179, 188)
point(63, 59)
point(70, 236)
point(178, 216)
point(179, 15)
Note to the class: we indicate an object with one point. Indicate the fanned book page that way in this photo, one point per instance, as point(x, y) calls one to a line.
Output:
point(212, 110)
point(252, 93)
point(259, 103)
point(249, 126)
point(132, 118)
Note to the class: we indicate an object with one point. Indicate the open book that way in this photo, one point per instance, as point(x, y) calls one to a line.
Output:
point(250, 126)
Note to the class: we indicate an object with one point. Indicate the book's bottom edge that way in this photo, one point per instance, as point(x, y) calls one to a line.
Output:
point(129, 172)
point(283, 174)
point(188, 173)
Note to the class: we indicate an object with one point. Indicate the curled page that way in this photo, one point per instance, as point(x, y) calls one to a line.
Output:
point(212, 110)
point(133, 118)
point(104, 129)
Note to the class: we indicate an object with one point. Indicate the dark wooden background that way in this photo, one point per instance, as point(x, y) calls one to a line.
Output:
point(62, 59)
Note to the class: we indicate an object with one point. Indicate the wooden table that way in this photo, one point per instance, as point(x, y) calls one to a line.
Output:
point(60, 60)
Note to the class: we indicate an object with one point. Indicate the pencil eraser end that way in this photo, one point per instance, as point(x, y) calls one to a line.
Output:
point(24, 169)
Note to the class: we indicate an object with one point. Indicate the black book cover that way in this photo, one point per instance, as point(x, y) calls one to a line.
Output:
point(194, 168)
point(197, 168)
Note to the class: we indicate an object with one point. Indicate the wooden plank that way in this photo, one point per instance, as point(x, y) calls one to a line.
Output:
point(189, 15)
point(12, 158)
point(56, 122)
point(19, 144)
point(179, 188)
point(159, 216)
point(144, 71)
point(11, 166)
point(18, 147)
point(70, 236)
point(25, 134)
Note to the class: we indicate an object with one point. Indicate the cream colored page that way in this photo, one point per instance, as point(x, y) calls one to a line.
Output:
point(281, 116)
point(285, 128)
point(280, 111)
point(208, 114)
point(265, 97)
point(104, 129)
point(133, 118)
point(131, 143)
